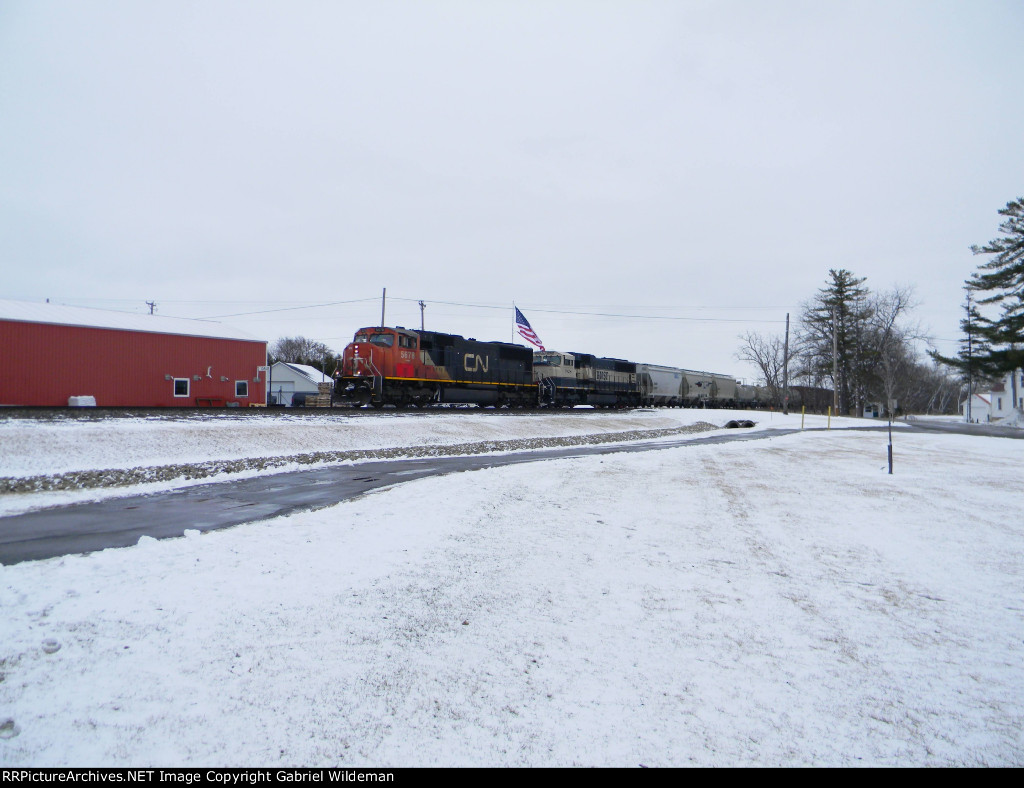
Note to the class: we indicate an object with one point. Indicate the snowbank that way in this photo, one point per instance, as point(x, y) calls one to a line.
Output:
point(53, 461)
point(49, 446)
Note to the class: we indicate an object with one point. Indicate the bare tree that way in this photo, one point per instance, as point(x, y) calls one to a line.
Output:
point(767, 353)
point(944, 391)
point(887, 350)
point(894, 365)
point(300, 350)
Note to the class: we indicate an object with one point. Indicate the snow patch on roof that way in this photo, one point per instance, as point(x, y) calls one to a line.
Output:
point(314, 374)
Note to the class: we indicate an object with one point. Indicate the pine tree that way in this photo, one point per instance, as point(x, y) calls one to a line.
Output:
point(974, 348)
point(834, 321)
point(1002, 278)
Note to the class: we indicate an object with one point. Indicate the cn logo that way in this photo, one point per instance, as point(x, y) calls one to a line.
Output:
point(474, 363)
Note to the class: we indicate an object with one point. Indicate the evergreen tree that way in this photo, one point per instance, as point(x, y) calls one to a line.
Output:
point(832, 325)
point(1002, 279)
point(970, 360)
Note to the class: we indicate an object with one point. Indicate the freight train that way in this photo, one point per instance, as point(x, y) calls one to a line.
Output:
point(402, 367)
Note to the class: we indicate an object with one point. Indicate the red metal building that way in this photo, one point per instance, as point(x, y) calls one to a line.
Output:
point(51, 353)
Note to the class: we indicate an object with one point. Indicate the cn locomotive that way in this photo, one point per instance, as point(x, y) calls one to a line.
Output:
point(402, 367)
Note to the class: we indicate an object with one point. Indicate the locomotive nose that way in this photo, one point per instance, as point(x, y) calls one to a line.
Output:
point(349, 359)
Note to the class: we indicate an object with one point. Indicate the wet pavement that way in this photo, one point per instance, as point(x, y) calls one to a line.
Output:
point(120, 522)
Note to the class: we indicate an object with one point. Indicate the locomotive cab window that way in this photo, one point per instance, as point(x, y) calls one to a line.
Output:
point(547, 360)
point(408, 342)
point(384, 340)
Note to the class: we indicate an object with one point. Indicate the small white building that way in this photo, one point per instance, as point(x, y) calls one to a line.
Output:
point(997, 402)
point(876, 410)
point(979, 410)
point(290, 384)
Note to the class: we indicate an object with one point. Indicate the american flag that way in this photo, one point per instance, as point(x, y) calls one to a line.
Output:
point(526, 332)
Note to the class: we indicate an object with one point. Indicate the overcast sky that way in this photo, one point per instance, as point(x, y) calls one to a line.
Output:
point(687, 170)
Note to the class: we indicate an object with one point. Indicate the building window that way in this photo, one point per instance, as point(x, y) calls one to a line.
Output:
point(241, 388)
point(181, 387)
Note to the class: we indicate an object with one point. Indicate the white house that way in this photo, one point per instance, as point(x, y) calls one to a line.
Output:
point(997, 402)
point(288, 380)
point(980, 407)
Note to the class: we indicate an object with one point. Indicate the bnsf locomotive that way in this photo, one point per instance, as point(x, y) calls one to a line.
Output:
point(401, 367)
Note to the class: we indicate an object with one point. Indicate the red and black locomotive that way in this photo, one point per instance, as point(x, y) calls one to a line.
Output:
point(399, 366)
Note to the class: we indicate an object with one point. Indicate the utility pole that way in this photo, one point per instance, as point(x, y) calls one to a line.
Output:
point(422, 307)
point(383, 301)
point(890, 441)
point(152, 306)
point(785, 371)
point(970, 357)
point(835, 364)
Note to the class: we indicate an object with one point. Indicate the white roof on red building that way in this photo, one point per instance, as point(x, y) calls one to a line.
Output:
point(56, 314)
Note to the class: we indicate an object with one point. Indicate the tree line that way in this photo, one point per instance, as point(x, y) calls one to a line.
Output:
point(858, 343)
point(864, 345)
point(300, 350)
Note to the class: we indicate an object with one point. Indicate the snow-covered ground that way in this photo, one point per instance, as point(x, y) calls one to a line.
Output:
point(83, 458)
point(773, 602)
point(53, 445)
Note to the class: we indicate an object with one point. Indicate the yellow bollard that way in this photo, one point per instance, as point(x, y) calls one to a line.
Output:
point(803, 412)
point(830, 417)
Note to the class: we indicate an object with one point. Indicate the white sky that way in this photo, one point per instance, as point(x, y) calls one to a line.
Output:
point(701, 161)
point(738, 607)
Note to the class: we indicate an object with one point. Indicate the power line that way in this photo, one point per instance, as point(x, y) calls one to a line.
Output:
point(578, 312)
point(540, 306)
point(289, 308)
point(655, 317)
point(613, 314)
